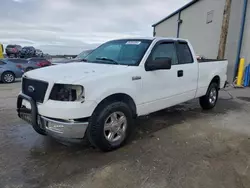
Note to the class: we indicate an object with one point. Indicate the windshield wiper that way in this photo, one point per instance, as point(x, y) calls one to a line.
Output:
point(84, 60)
point(107, 59)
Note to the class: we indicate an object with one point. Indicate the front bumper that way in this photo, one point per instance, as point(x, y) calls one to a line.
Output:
point(57, 128)
point(64, 129)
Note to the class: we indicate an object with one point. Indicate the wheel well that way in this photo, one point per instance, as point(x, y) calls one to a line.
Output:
point(216, 80)
point(120, 97)
point(8, 71)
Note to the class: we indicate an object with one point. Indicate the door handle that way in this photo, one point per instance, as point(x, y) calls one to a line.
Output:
point(180, 73)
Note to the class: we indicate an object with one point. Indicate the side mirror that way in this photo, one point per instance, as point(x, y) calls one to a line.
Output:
point(158, 64)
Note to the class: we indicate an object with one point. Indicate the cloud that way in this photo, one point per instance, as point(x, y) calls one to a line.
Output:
point(18, 1)
point(63, 26)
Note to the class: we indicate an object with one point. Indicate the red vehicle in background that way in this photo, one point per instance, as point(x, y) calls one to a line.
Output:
point(31, 63)
point(38, 63)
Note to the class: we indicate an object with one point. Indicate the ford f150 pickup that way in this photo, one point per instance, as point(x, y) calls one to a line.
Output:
point(100, 97)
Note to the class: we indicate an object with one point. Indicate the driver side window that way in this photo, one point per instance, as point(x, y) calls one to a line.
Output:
point(164, 50)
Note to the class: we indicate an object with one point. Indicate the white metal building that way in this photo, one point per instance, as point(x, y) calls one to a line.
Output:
point(200, 21)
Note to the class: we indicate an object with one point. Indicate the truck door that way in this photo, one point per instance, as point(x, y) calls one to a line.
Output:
point(187, 70)
point(160, 87)
point(165, 88)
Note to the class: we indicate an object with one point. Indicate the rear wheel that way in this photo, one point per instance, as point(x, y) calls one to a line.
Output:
point(110, 126)
point(210, 99)
point(8, 77)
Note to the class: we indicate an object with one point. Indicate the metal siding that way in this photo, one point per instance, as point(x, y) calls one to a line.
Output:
point(167, 28)
point(233, 36)
point(245, 51)
point(204, 37)
point(176, 12)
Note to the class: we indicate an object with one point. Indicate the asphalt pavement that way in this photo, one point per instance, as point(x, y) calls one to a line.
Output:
point(182, 146)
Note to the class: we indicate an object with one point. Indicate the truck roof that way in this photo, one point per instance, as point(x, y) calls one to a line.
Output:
point(151, 38)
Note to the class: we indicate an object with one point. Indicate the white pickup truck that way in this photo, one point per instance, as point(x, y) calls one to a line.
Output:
point(100, 96)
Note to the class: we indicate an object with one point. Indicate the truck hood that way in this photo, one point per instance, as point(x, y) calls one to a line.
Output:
point(73, 72)
point(62, 61)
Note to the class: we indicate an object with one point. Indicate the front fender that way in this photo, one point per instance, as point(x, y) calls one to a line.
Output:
point(102, 95)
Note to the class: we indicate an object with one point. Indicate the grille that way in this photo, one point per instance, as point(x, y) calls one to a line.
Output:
point(36, 89)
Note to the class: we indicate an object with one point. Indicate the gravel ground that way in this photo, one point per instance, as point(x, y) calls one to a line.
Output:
point(178, 147)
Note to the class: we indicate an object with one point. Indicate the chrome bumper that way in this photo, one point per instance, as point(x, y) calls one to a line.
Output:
point(63, 129)
point(43, 125)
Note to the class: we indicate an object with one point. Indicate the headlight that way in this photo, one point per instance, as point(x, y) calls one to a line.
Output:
point(65, 92)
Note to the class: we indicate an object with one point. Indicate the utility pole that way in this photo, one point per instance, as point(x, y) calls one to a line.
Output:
point(224, 29)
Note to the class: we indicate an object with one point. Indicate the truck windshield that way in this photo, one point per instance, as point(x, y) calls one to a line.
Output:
point(122, 52)
point(83, 54)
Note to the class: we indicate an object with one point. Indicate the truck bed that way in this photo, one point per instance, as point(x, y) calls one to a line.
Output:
point(209, 60)
point(208, 69)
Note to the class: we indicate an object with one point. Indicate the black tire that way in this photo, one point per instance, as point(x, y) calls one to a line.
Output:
point(209, 101)
point(95, 132)
point(29, 69)
point(8, 77)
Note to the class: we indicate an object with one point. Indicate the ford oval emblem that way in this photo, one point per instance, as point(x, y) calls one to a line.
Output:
point(31, 89)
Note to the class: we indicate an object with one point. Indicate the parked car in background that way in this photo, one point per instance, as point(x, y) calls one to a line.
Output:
point(37, 62)
point(13, 50)
point(31, 63)
point(47, 56)
point(79, 57)
point(17, 60)
point(39, 53)
point(22, 63)
point(27, 52)
point(83, 54)
point(43, 61)
point(9, 71)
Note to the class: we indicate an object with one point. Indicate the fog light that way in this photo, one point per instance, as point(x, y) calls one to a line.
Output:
point(58, 126)
point(53, 125)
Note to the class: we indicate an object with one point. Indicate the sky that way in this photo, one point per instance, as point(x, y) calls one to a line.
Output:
point(71, 26)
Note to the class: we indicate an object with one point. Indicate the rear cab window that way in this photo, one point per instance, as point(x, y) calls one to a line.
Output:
point(184, 53)
point(178, 51)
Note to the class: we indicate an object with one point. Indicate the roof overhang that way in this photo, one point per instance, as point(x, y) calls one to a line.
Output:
point(176, 12)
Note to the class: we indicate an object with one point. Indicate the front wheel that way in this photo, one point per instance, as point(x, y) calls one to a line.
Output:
point(110, 126)
point(210, 99)
point(8, 77)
